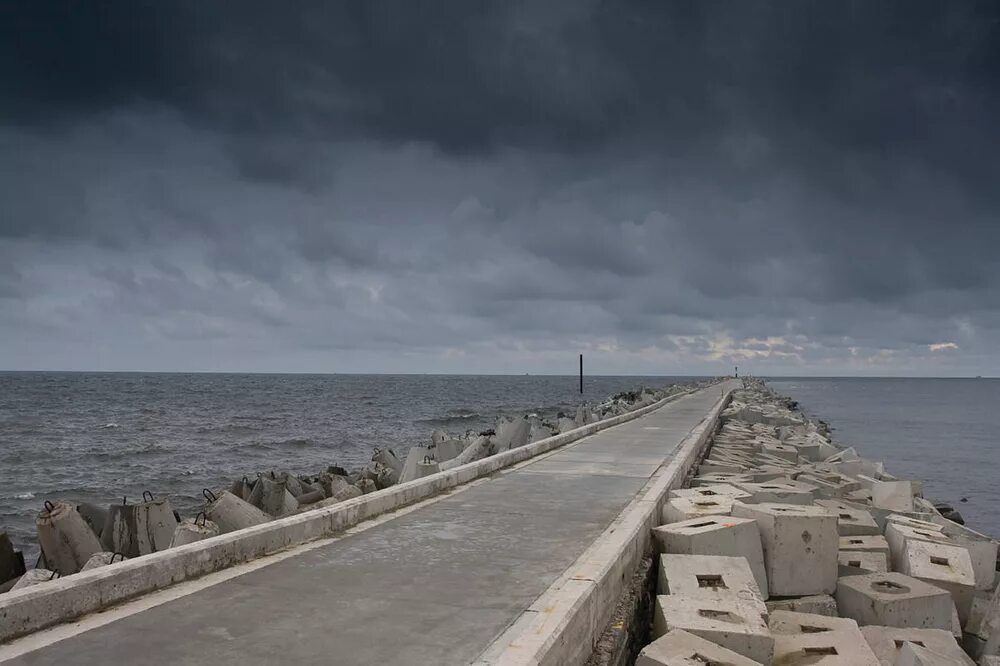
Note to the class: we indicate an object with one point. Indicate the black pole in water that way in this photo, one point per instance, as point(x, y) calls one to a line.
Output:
point(581, 374)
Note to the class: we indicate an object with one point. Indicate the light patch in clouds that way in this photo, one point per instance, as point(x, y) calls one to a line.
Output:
point(943, 346)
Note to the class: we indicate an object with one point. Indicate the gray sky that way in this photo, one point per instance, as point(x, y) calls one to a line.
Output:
point(465, 186)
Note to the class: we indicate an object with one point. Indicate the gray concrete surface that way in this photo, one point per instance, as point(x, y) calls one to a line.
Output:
point(433, 586)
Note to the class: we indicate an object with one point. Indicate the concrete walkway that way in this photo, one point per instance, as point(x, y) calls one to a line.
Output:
point(434, 585)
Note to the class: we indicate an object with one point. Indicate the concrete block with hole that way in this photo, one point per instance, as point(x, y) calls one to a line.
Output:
point(800, 547)
point(912, 654)
point(685, 508)
point(783, 451)
point(893, 600)
point(865, 544)
point(710, 491)
point(868, 562)
point(711, 479)
point(829, 648)
point(682, 648)
point(942, 565)
point(790, 622)
point(851, 521)
point(731, 622)
point(831, 486)
point(775, 492)
point(886, 642)
point(708, 575)
point(716, 535)
point(897, 535)
point(816, 604)
point(893, 495)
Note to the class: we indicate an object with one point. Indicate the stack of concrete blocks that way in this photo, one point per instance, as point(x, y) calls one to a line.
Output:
point(716, 598)
point(833, 542)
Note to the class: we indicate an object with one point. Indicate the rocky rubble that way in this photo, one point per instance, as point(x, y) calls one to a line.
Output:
point(78, 536)
point(787, 549)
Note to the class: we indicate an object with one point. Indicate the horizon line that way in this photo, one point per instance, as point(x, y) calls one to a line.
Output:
point(475, 374)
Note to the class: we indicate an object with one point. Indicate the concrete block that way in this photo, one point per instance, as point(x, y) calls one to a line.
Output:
point(867, 562)
point(828, 648)
point(800, 547)
point(716, 466)
point(886, 642)
point(734, 624)
point(850, 521)
point(710, 491)
point(415, 455)
point(103, 559)
point(681, 648)
point(865, 544)
point(944, 566)
point(912, 654)
point(194, 529)
point(720, 477)
point(708, 575)
point(893, 495)
point(989, 660)
point(790, 622)
point(65, 537)
point(783, 451)
point(775, 493)
point(231, 513)
point(893, 600)
point(716, 535)
point(685, 508)
point(816, 604)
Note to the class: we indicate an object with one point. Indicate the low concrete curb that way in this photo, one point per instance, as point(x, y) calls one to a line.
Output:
point(37, 607)
point(562, 625)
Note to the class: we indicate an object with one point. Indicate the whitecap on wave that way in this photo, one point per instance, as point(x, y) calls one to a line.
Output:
point(110, 425)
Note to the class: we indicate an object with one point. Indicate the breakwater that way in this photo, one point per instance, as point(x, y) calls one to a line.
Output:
point(78, 536)
point(784, 548)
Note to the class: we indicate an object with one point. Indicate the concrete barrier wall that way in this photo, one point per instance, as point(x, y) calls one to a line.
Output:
point(31, 609)
point(562, 626)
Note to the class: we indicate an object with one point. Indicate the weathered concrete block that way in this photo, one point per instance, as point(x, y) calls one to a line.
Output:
point(800, 547)
point(194, 529)
point(710, 491)
point(893, 495)
point(850, 521)
point(775, 493)
point(865, 544)
point(707, 575)
point(886, 642)
point(65, 537)
point(830, 648)
point(715, 535)
point(944, 566)
point(103, 559)
point(831, 486)
point(34, 577)
point(912, 654)
point(685, 508)
point(231, 513)
point(817, 604)
point(790, 622)
point(783, 451)
point(712, 479)
point(867, 562)
point(734, 624)
point(893, 600)
point(681, 648)
point(415, 455)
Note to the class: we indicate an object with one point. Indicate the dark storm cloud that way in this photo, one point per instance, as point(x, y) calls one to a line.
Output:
point(696, 178)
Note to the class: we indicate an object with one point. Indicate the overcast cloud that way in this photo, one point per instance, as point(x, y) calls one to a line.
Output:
point(667, 187)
